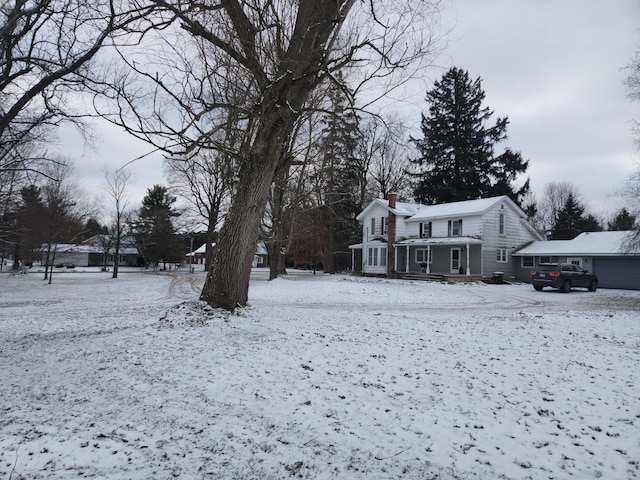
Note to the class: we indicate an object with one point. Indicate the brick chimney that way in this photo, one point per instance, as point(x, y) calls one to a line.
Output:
point(391, 235)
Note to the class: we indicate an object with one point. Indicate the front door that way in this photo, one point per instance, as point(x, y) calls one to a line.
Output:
point(455, 260)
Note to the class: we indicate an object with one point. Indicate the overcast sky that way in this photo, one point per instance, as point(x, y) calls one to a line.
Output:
point(554, 67)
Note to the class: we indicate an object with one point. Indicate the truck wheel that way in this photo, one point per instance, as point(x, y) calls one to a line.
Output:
point(566, 286)
point(593, 285)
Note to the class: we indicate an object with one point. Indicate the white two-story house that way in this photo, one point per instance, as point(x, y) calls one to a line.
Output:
point(473, 238)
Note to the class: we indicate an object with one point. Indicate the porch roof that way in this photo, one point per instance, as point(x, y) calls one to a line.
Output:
point(419, 242)
point(374, 242)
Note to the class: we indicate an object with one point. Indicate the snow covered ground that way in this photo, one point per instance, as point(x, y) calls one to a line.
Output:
point(322, 377)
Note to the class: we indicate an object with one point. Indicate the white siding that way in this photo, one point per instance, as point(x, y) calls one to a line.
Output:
point(377, 212)
point(410, 229)
point(515, 236)
point(471, 227)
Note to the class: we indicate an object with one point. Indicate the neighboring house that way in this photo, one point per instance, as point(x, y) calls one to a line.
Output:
point(608, 255)
point(472, 238)
point(259, 258)
point(91, 253)
point(199, 255)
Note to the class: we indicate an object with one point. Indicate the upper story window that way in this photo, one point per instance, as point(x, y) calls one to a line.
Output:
point(382, 226)
point(501, 255)
point(502, 220)
point(455, 228)
point(425, 230)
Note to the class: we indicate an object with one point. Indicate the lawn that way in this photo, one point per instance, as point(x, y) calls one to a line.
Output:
point(321, 377)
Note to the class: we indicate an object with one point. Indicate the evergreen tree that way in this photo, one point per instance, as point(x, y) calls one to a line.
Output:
point(591, 224)
point(623, 220)
point(93, 227)
point(343, 175)
point(154, 231)
point(571, 221)
point(457, 160)
point(31, 218)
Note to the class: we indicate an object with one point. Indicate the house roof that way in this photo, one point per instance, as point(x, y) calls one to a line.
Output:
point(418, 212)
point(70, 248)
point(415, 212)
point(588, 244)
point(261, 249)
point(440, 241)
point(402, 209)
point(462, 209)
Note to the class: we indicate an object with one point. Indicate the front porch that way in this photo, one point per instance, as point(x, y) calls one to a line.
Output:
point(437, 277)
point(452, 257)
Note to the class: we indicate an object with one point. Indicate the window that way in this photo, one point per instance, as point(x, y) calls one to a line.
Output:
point(527, 262)
point(575, 261)
point(423, 255)
point(373, 257)
point(373, 226)
point(455, 228)
point(377, 256)
point(501, 228)
point(546, 260)
point(385, 225)
point(425, 230)
point(501, 255)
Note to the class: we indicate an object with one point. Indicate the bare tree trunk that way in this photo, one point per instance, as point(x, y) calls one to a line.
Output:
point(278, 244)
point(227, 283)
point(116, 257)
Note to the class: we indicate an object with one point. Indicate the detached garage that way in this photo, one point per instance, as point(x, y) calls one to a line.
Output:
point(609, 255)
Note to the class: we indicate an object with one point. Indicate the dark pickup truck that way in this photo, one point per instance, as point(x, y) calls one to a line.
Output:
point(564, 276)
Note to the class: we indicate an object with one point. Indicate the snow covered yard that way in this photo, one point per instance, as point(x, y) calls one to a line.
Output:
point(321, 377)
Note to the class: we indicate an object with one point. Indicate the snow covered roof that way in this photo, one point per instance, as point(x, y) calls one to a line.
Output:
point(201, 249)
point(440, 241)
point(418, 212)
point(403, 209)
point(592, 244)
point(461, 209)
point(69, 248)
point(261, 249)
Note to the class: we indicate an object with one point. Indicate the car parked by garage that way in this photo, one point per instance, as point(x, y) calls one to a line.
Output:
point(563, 276)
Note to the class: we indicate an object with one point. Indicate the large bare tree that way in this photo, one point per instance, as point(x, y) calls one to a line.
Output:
point(272, 54)
point(116, 183)
point(388, 153)
point(631, 189)
point(46, 49)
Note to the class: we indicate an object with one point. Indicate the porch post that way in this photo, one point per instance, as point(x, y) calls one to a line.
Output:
point(395, 259)
point(406, 266)
point(468, 267)
point(428, 257)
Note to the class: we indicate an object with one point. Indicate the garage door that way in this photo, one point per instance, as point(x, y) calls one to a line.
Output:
point(618, 272)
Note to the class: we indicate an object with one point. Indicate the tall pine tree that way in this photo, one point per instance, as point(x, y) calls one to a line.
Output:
point(623, 220)
point(572, 220)
point(457, 159)
point(343, 173)
point(154, 231)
